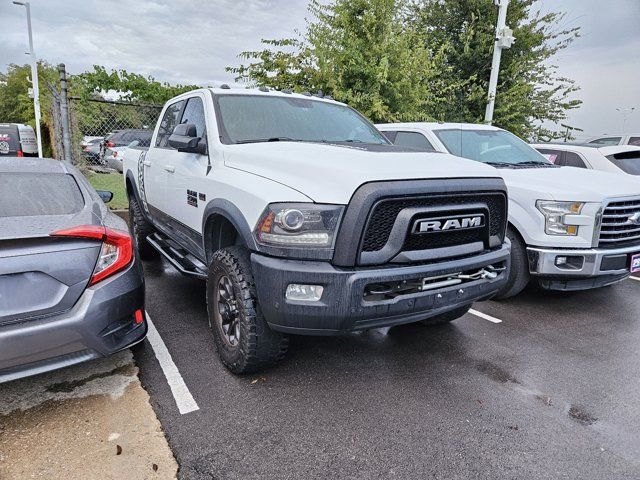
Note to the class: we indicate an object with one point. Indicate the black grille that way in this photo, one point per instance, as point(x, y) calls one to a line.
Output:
point(384, 215)
point(616, 228)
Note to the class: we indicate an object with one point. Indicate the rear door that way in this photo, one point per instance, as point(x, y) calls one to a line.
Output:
point(28, 141)
point(41, 275)
point(9, 141)
point(553, 155)
point(413, 139)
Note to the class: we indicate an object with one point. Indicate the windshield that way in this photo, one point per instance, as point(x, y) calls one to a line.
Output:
point(257, 118)
point(490, 146)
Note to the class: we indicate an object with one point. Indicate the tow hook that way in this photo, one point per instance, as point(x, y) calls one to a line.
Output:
point(489, 272)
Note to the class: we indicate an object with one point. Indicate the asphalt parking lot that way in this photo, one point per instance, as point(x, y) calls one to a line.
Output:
point(549, 392)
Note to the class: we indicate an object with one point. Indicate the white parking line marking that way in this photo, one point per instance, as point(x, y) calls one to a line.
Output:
point(181, 394)
point(485, 316)
point(635, 278)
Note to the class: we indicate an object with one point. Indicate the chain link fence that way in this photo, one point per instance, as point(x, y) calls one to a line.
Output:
point(96, 119)
point(80, 125)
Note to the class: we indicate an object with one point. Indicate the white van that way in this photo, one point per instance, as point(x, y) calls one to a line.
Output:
point(19, 140)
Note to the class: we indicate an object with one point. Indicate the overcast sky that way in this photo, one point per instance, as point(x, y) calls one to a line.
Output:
point(192, 42)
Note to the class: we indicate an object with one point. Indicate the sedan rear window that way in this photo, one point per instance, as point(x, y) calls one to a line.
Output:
point(38, 194)
point(628, 162)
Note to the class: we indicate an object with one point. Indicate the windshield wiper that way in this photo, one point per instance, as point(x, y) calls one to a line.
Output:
point(499, 164)
point(534, 162)
point(272, 139)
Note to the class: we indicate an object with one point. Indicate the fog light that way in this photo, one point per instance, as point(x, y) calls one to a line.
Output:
point(569, 262)
point(138, 316)
point(308, 293)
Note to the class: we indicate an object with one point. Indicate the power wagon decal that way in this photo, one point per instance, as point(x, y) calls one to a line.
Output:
point(143, 196)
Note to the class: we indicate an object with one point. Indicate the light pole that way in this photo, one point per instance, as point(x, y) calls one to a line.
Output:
point(504, 39)
point(34, 76)
point(625, 113)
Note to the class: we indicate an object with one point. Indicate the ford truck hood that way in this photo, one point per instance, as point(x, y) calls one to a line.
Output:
point(330, 173)
point(568, 183)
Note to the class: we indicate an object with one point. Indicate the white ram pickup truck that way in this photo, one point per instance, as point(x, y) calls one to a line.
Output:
point(304, 219)
point(570, 228)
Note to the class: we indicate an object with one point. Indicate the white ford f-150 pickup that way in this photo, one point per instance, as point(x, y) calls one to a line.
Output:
point(570, 228)
point(303, 218)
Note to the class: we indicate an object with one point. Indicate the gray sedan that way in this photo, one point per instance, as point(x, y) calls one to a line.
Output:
point(71, 287)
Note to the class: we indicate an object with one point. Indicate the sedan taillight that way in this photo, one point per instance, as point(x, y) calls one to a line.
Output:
point(116, 252)
point(109, 144)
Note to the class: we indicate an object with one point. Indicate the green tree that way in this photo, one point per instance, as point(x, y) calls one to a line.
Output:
point(361, 52)
point(16, 106)
point(530, 92)
point(130, 86)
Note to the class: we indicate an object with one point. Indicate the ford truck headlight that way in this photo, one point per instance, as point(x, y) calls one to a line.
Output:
point(557, 216)
point(299, 228)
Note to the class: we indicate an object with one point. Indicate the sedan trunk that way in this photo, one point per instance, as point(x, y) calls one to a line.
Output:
point(42, 275)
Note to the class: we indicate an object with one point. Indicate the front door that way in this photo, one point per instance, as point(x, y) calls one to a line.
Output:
point(186, 174)
point(156, 183)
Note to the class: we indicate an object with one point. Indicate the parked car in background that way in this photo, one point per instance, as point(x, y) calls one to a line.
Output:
point(570, 228)
point(18, 140)
point(624, 159)
point(303, 219)
point(633, 139)
point(71, 287)
point(113, 156)
point(87, 139)
point(91, 150)
point(122, 138)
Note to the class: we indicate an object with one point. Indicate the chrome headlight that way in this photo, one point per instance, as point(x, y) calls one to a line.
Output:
point(556, 215)
point(303, 229)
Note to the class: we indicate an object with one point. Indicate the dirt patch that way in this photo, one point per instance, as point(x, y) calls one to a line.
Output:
point(496, 373)
point(86, 435)
point(581, 416)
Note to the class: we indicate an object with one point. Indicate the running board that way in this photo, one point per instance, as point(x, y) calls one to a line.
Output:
point(183, 261)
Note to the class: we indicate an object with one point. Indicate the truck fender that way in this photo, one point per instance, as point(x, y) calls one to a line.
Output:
point(220, 207)
point(130, 179)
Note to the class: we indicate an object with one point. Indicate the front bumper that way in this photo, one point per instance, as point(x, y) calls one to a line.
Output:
point(588, 268)
point(343, 306)
point(99, 324)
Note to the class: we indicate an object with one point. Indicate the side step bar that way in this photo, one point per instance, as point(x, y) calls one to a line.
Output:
point(183, 261)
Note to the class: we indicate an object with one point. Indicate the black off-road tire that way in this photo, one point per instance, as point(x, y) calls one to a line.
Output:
point(519, 271)
point(447, 317)
point(141, 229)
point(258, 347)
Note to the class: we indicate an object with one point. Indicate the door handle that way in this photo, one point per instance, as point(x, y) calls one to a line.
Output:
point(146, 163)
point(169, 168)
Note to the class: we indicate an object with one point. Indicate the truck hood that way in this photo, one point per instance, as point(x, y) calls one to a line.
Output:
point(568, 183)
point(330, 173)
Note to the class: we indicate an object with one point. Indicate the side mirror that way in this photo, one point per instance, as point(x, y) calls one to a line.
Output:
point(105, 195)
point(185, 139)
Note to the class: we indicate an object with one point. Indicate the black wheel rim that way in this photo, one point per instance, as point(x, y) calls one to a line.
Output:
point(226, 310)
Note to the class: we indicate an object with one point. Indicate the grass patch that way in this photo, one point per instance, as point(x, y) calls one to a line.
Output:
point(113, 182)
